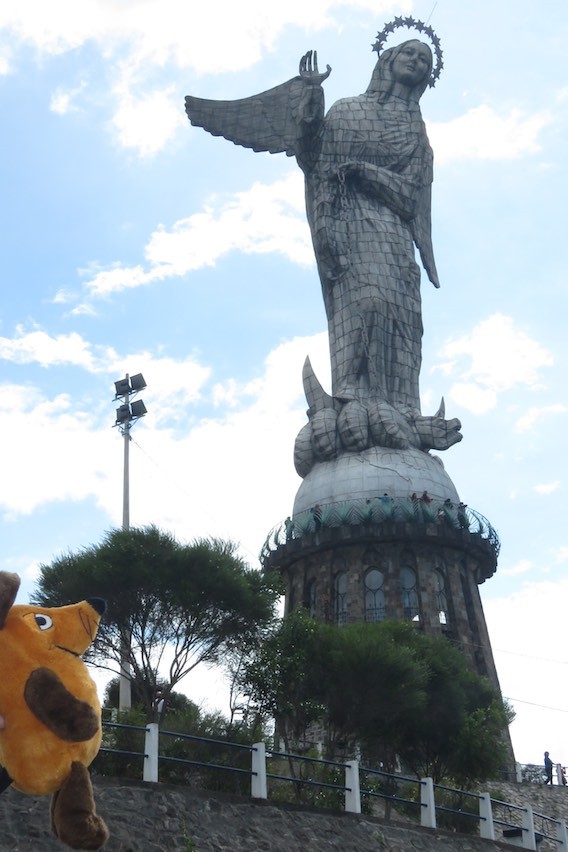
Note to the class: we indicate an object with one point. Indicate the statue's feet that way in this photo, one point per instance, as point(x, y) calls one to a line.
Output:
point(341, 425)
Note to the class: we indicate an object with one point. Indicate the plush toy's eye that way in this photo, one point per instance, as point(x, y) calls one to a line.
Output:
point(44, 622)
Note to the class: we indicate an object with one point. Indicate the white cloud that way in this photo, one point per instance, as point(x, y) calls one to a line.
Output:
point(561, 554)
point(546, 487)
point(147, 122)
point(47, 471)
point(528, 637)
point(520, 568)
point(63, 101)
point(62, 297)
point(263, 219)
point(528, 420)
point(473, 398)
point(174, 383)
point(141, 38)
point(185, 479)
point(483, 134)
point(494, 357)
point(84, 309)
point(41, 348)
point(155, 32)
point(115, 278)
point(171, 385)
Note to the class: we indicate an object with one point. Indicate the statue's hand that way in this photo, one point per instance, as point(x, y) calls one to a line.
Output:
point(350, 167)
point(309, 69)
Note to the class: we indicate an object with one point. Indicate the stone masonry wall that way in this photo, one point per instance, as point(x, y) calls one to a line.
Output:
point(159, 817)
point(440, 560)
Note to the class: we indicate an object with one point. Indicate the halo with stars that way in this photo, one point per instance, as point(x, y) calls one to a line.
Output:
point(411, 23)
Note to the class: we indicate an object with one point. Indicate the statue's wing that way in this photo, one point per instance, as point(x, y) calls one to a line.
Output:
point(421, 225)
point(264, 122)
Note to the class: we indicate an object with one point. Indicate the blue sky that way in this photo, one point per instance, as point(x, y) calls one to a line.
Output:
point(131, 242)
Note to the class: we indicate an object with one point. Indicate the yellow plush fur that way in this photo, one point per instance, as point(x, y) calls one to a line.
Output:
point(50, 706)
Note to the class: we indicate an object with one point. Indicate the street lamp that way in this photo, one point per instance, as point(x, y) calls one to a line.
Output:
point(127, 414)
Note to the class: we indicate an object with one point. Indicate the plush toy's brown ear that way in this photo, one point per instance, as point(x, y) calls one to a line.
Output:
point(9, 585)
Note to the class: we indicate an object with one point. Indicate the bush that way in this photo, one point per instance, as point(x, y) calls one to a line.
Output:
point(186, 720)
point(125, 740)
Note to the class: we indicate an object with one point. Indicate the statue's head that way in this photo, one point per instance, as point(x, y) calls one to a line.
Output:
point(406, 67)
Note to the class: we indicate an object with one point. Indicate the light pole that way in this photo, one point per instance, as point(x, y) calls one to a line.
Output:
point(127, 414)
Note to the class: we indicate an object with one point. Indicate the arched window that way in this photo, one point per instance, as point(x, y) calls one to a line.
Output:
point(340, 598)
point(410, 605)
point(441, 598)
point(374, 595)
point(310, 598)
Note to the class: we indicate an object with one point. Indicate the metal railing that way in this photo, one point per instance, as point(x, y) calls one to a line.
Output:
point(380, 510)
point(519, 825)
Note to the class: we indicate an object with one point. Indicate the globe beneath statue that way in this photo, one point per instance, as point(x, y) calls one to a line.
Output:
point(373, 472)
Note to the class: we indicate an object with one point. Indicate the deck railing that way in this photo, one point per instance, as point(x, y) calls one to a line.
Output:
point(377, 511)
point(497, 820)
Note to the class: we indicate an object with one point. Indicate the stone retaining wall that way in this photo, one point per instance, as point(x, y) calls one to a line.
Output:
point(160, 817)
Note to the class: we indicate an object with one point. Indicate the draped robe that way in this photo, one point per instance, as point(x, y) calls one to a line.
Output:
point(364, 192)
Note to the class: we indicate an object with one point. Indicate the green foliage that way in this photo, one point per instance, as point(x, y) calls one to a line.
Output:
point(385, 688)
point(374, 689)
point(300, 791)
point(456, 810)
point(213, 726)
point(197, 600)
point(459, 736)
point(172, 747)
point(480, 749)
point(281, 680)
point(125, 740)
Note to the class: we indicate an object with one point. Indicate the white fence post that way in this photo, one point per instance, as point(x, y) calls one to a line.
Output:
point(486, 826)
point(258, 786)
point(353, 791)
point(427, 803)
point(528, 839)
point(562, 836)
point(151, 752)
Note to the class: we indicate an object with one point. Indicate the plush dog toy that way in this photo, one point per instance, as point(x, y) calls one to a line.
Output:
point(52, 714)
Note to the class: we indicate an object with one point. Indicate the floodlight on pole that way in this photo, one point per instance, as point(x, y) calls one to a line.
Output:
point(127, 414)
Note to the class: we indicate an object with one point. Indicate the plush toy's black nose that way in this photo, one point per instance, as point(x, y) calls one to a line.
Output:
point(98, 604)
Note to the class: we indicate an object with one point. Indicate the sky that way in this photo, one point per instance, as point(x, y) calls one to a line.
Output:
point(131, 242)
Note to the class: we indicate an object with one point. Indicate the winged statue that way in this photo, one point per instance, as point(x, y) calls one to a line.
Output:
point(368, 169)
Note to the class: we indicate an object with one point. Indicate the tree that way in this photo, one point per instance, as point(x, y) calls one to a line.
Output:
point(375, 688)
point(172, 605)
point(283, 677)
point(387, 688)
point(459, 735)
point(177, 701)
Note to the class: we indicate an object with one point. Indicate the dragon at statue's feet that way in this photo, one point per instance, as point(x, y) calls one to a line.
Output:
point(337, 425)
